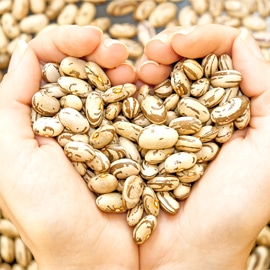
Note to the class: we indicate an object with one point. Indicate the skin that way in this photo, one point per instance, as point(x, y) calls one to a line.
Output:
point(56, 214)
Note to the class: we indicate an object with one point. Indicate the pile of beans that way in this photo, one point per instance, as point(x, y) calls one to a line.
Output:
point(141, 154)
point(24, 19)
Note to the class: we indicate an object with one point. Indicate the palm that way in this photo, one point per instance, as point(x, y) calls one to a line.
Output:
point(66, 211)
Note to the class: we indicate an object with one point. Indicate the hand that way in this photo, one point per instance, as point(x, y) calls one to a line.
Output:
point(41, 192)
point(217, 225)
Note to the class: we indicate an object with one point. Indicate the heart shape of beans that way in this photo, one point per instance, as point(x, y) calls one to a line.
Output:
point(141, 154)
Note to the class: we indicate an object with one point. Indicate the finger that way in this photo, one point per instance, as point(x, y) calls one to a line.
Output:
point(23, 77)
point(159, 48)
point(152, 72)
point(196, 42)
point(71, 40)
point(109, 53)
point(125, 73)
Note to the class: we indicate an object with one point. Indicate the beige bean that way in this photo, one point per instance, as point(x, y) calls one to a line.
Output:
point(52, 89)
point(144, 9)
point(4, 60)
point(5, 6)
point(130, 107)
point(54, 8)
point(163, 183)
point(103, 183)
point(94, 108)
point(208, 152)
point(73, 120)
point(102, 22)
point(192, 69)
point(210, 65)
point(135, 214)
point(229, 93)
point(187, 16)
point(119, 92)
point(8, 229)
point(170, 103)
point(112, 110)
point(212, 97)
point(168, 202)
point(230, 111)
point(74, 86)
point(186, 125)
point(23, 255)
point(74, 67)
point(114, 151)
point(207, 133)
point(255, 23)
point(225, 62)
point(32, 24)
point(128, 130)
point(189, 106)
point(243, 120)
point(150, 201)
point(123, 30)
point(7, 250)
point(192, 174)
point(10, 25)
point(124, 167)
point(155, 156)
point(67, 14)
point(97, 76)
point(110, 203)
point(121, 7)
point(47, 127)
point(100, 163)
point(132, 191)
point(50, 72)
point(86, 14)
point(200, 7)
point(188, 143)
point(3, 41)
point(157, 137)
point(180, 82)
point(37, 6)
point(199, 87)
point(180, 161)
point(154, 110)
point(71, 101)
point(263, 239)
point(226, 78)
point(146, 30)
point(259, 259)
point(20, 9)
point(144, 229)
point(148, 171)
point(182, 191)
point(163, 89)
point(162, 14)
point(130, 149)
point(80, 167)
point(102, 136)
point(79, 151)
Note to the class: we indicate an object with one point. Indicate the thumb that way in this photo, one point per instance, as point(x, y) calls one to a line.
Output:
point(23, 77)
point(248, 60)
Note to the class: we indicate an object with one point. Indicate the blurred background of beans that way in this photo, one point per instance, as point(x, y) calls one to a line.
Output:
point(134, 22)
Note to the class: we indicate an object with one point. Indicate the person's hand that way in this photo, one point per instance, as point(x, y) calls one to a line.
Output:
point(217, 225)
point(40, 191)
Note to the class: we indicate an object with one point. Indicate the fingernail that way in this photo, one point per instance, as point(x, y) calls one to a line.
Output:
point(185, 30)
point(163, 37)
point(147, 63)
point(94, 27)
point(17, 55)
point(108, 42)
point(244, 35)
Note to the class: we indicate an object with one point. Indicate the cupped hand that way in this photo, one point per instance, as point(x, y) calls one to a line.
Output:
point(218, 223)
point(41, 192)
